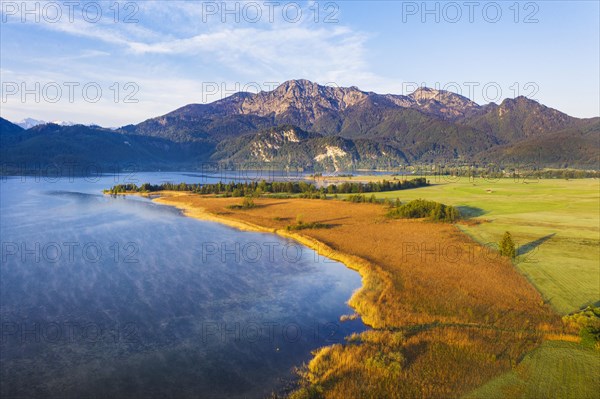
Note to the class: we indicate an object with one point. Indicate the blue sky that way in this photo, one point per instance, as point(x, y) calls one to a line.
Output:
point(155, 56)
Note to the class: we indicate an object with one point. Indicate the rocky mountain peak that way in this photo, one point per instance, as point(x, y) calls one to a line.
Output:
point(425, 93)
point(302, 97)
point(442, 103)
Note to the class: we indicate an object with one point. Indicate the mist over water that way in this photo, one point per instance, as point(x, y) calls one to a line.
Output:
point(121, 297)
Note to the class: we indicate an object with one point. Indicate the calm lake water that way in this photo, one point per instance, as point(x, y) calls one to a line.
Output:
point(121, 298)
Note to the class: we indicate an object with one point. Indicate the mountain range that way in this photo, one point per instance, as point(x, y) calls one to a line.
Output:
point(28, 123)
point(322, 127)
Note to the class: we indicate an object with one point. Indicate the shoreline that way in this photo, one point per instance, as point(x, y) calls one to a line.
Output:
point(359, 265)
point(372, 275)
point(430, 313)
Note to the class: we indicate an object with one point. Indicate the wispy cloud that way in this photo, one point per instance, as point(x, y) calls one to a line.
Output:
point(174, 50)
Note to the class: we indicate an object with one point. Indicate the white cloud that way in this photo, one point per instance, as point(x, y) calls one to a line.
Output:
point(172, 52)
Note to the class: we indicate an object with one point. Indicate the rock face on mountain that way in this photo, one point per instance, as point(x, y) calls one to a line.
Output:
point(348, 127)
point(286, 146)
point(324, 109)
point(442, 103)
point(305, 99)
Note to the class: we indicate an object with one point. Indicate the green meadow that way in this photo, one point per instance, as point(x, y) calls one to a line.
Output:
point(556, 225)
point(554, 370)
point(554, 222)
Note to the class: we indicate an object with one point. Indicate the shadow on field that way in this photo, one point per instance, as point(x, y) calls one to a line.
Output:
point(586, 304)
point(468, 212)
point(530, 246)
point(272, 204)
point(332, 220)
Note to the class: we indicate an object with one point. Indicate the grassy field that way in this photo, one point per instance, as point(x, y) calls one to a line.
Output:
point(569, 371)
point(555, 222)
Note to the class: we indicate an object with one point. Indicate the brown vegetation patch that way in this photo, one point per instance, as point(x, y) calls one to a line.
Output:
point(485, 315)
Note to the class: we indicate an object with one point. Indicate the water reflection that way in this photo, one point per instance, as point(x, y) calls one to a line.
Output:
point(121, 297)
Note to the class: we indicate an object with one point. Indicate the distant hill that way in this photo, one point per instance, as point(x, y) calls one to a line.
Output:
point(520, 118)
point(574, 147)
point(85, 146)
point(372, 130)
point(9, 128)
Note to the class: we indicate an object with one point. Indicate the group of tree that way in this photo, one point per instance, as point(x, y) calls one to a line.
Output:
point(253, 188)
point(431, 210)
point(247, 203)
point(587, 323)
point(376, 186)
point(360, 198)
point(498, 172)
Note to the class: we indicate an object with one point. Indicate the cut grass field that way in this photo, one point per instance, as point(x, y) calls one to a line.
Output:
point(569, 371)
point(448, 314)
point(555, 223)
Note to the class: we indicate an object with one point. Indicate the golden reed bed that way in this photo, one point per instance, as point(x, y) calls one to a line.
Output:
point(448, 314)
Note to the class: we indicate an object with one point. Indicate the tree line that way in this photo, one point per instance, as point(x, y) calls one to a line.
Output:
point(420, 208)
point(243, 189)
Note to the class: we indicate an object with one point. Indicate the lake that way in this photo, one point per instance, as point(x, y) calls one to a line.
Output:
point(121, 297)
